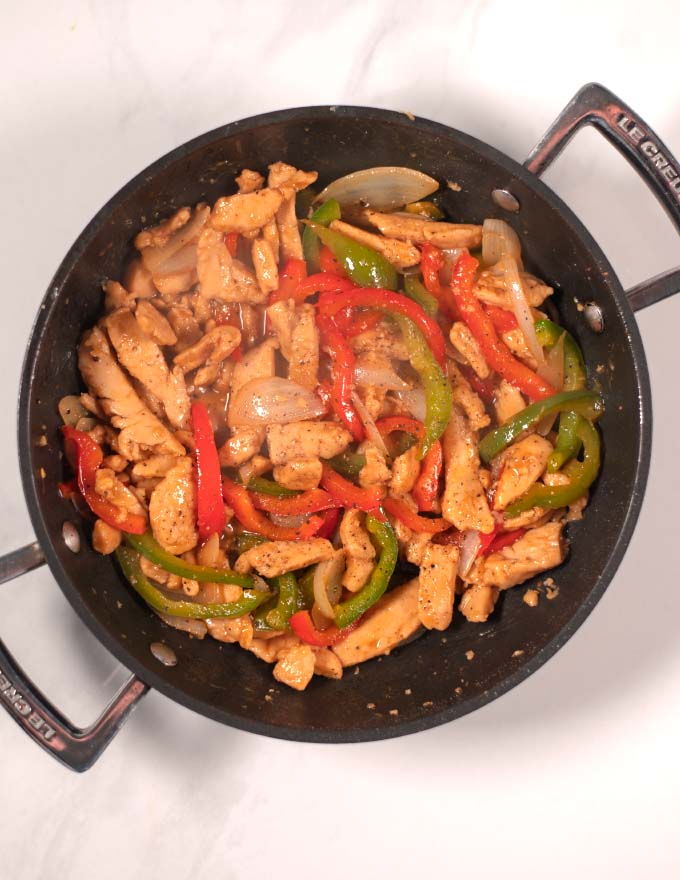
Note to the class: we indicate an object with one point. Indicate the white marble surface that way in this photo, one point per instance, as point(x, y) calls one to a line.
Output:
point(573, 774)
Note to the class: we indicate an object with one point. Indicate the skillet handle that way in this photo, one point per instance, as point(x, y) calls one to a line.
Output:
point(639, 145)
point(76, 748)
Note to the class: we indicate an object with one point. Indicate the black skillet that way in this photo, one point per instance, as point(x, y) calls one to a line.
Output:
point(428, 682)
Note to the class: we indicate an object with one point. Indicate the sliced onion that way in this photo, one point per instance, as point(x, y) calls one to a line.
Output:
point(499, 240)
point(414, 401)
point(196, 628)
point(469, 549)
point(184, 260)
point(450, 257)
point(555, 362)
point(384, 188)
point(71, 410)
point(273, 401)
point(289, 521)
point(380, 377)
point(327, 583)
point(372, 432)
point(156, 258)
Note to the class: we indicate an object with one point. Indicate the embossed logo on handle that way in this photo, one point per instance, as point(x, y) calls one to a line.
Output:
point(661, 165)
point(22, 707)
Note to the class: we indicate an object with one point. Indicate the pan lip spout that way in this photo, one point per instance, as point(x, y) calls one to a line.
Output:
point(383, 726)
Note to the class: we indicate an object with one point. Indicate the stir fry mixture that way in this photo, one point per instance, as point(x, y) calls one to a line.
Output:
point(286, 419)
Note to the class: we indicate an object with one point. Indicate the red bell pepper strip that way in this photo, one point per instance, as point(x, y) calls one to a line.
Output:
point(426, 488)
point(346, 494)
point(210, 514)
point(379, 298)
point(238, 498)
point(401, 511)
point(231, 241)
point(68, 489)
point(330, 523)
point(351, 323)
point(431, 262)
point(329, 262)
point(502, 319)
point(485, 388)
point(312, 501)
point(498, 540)
point(302, 625)
point(86, 456)
point(322, 281)
point(401, 423)
point(290, 277)
point(498, 356)
point(342, 374)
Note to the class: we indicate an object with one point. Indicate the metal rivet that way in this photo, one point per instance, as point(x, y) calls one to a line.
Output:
point(594, 317)
point(163, 654)
point(505, 200)
point(71, 537)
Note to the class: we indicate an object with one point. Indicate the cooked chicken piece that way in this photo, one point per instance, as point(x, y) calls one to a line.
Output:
point(112, 489)
point(172, 509)
point(144, 360)
point(215, 594)
point(384, 339)
point(245, 212)
point(517, 344)
point(326, 663)
point(465, 343)
point(415, 547)
point(277, 557)
point(281, 317)
point(531, 517)
point(375, 471)
point(400, 253)
point(357, 573)
point(490, 288)
point(359, 550)
point(392, 619)
point(302, 473)
point(105, 538)
point(463, 395)
point(477, 603)
point(137, 279)
point(295, 666)
point(281, 174)
point(257, 466)
point(159, 236)
point(169, 250)
point(419, 230)
point(557, 479)
point(196, 628)
point(576, 508)
point(437, 585)
point(464, 503)
point(298, 440)
point(115, 462)
point(373, 398)
point(154, 324)
point(140, 431)
point(519, 467)
point(117, 297)
point(91, 405)
point(210, 352)
point(185, 326)
point(538, 550)
point(298, 336)
point(290, 243)
point(405, 470)
point(270, 233)
point(268, 648)
point(244, 443)
point(230, 630)
point(508, 401)
point(249, 181)
point(160, 575)
point(156, 466)
point(221, 276)
point(264, 262)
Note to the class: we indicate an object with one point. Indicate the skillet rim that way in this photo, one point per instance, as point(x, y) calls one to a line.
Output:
point(384, 728)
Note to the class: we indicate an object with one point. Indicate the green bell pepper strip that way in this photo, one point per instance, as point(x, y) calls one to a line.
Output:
point(287, 587)
point(149, 547)
point(568, 444)
point(348, 463)
point(247, 540)
point(160, 601)
point(269, 487)
point(584, 402)
point(306, 589)
point(414, 289)
point(383, 535)
point(311, 246)
point(260, 623)
point(581, 475)
point(363, 265)
point(438, 394)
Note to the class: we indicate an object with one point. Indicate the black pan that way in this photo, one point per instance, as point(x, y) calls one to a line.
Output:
point(428, 682)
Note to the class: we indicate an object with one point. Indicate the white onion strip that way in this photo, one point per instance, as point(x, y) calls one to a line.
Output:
point(372, 432)
point(273, 401)
point(469, 548)
point(327, 583)
point(500, 240)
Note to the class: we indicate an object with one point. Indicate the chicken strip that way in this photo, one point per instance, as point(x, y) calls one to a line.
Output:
point(141, 432)
point(249, 181)
point(466, 345)
point(209, 353)
point(508, 401)
point(221, 276)
point(464, 503)
point(245, 442)
point(264, 262)
point(300, 440)
point(245, 212)
point(420, 231)
point(298, 336)
point(172, 509)
point(477, 603)
point(302, 473)
point(277, 557)
point(384, 339)
point(490, 288)
point(400, 253)
point(520, 466)
point(359, 550)
point(464, 397)
point(154, 323)
point(295, 666)
point(144, 360)
point(405, 470)
point(540, 549)
point(437, 585)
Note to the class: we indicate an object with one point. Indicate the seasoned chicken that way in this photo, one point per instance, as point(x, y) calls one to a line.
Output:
point(302, 473)
point(257, 363)
point(490, 288)
point(112, 489)
point(405, 470)
point(465, 343)
point(144, 360)
point(519, 467)
point(517, 344)
point(326, 663)
point(154, 323)
point(418, 230)
point(400, 253)
point(360, 552)
point(244, 443)
point(375, 471)
point(172, 509)
point(169, 250)
point(508, 401)
point(185, 326)
point(290, 243)
point(464, 503)
point(298, 440)
point(264, 262)
point(140, 431)
point(298, 336)
point(209, 353)
point(392, 619)
point(155, 466)
point(270, 233)
point(245, 212)
point(384, 339)
point(249, 181)
point(295, 666)
point(437, 585)
point(277, 557)
point(137, 279)
point(281, 174)
point(477, 603)
point(220, 275)
point(117, 297)
point(232, 629)
point(464, 397)
point(539, 549)
point(105, 538)
point(269, 648)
